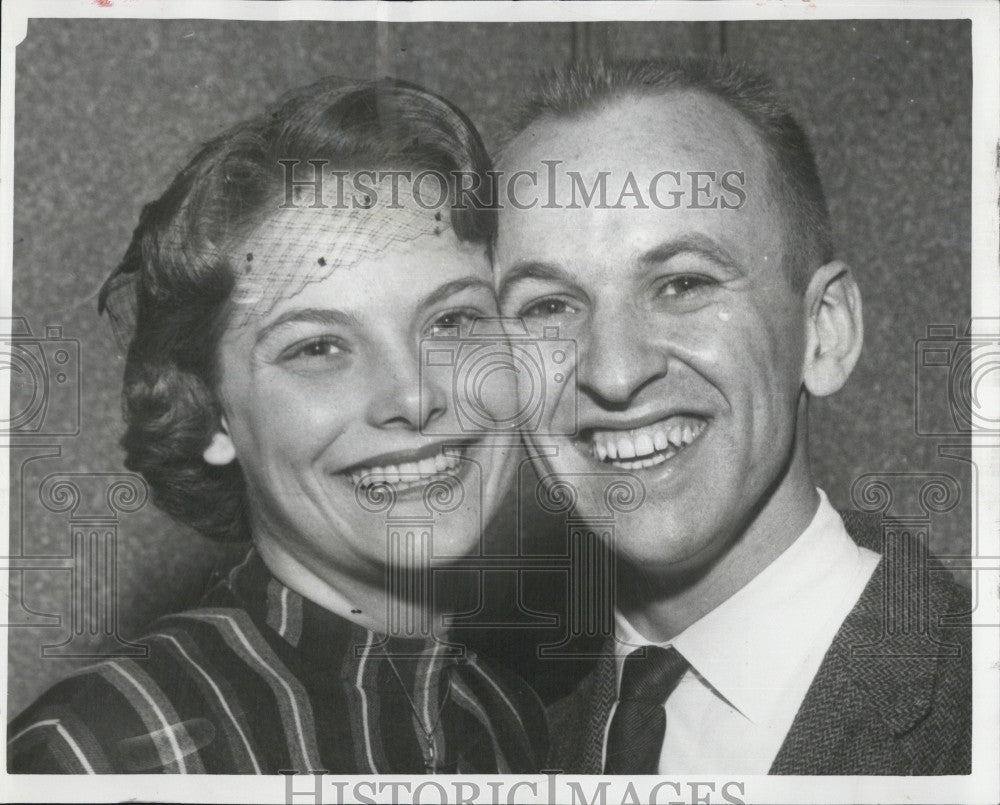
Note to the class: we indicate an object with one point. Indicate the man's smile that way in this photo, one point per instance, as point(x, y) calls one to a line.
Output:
point(637, 447)
point(646, 446)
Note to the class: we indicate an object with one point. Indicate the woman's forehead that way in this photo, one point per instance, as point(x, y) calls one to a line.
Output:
point(339, 236)
point(296, 246)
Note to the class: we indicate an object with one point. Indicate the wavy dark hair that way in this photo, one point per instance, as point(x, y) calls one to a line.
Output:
point(170, 293)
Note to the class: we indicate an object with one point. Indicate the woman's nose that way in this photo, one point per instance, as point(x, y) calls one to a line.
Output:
point(404, 397)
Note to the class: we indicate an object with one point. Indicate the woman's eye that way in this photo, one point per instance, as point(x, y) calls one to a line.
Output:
point(322, 347)
point(685, 284)
point(456, 322)
point(546, 308)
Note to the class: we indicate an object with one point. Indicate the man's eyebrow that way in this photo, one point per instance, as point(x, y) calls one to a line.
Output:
point(308, 315)
point(531, 270)
point(694, 242)
point(451, 288)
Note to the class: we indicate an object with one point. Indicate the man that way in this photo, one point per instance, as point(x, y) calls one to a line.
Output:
point(669, 219)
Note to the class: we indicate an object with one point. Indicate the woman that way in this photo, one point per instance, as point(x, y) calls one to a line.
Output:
point(277, 387)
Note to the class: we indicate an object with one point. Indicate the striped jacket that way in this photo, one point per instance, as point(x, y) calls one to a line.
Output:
point(259, 680)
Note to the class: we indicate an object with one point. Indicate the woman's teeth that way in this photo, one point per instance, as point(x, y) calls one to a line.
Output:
point(647, 446)
point(410, 473)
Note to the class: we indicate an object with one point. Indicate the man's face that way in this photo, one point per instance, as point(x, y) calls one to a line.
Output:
point(690, 339)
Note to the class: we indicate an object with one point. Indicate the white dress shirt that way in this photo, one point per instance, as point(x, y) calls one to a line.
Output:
point(754, 656)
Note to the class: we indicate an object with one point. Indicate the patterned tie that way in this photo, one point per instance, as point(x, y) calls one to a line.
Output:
point(639, 724)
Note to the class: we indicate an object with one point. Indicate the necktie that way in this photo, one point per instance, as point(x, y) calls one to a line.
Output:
point(639, 724)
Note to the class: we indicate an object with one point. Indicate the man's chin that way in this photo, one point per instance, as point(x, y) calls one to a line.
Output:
point(669, 553)
point(656, 522)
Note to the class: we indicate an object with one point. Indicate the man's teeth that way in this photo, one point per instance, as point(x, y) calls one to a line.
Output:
point(646, 446)
point(409, 473)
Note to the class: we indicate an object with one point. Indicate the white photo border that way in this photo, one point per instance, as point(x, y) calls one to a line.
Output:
point(983, 786)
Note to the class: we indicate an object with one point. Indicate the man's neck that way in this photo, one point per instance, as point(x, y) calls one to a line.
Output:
point(668, 604)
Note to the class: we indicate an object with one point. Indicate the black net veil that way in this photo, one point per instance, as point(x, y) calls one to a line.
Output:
point(320, 137)
point(297, 247)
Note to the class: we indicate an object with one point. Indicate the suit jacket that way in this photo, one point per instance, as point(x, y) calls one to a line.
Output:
point(885, 701)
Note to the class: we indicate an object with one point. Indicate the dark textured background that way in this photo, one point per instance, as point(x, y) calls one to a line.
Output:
point(107, 111)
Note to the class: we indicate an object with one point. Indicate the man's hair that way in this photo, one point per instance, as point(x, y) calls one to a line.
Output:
point(173, 287)
point(579, 88)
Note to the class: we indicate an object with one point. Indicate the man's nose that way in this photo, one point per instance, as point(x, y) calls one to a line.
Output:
point(400, 397)
point(618, 358)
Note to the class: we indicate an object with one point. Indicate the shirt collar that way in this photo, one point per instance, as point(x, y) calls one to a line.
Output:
point(322, 637)
point(751, 647)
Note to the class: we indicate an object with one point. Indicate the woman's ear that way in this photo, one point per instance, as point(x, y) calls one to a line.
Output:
point(221, 450)
point(834, 328)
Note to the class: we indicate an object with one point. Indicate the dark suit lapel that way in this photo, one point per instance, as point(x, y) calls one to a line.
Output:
point(865, 671)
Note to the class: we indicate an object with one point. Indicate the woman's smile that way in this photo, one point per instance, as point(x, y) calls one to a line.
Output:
point(407, 468)
point(330, 384)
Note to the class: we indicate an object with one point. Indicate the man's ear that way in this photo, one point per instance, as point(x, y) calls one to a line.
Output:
point(834, 328)
point(221, 450)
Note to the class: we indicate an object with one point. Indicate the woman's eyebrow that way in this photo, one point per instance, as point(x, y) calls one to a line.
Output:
point(309, 315)
point(442, 292)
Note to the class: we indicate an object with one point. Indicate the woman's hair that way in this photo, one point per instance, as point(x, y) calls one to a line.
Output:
point(171, 291)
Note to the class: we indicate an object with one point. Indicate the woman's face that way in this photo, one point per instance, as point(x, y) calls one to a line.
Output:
point(340, 421)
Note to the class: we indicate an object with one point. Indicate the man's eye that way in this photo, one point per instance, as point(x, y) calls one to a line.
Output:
point(685, 284)
point(321, 347)
point(545, 308)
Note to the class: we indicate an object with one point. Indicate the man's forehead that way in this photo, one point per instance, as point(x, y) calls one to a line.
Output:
point(636, 175)
point(639, 133)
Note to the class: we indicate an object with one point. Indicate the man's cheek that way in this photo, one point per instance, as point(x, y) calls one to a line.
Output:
point(538, 408)
point(722, 331)
point(559, 411)
point(488, 404)
point(705, 339)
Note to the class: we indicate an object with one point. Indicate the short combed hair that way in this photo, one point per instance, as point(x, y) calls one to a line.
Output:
point(579, 88)
point(173, 287)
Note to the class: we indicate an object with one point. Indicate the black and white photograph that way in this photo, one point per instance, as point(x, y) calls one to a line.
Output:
point(501, 402)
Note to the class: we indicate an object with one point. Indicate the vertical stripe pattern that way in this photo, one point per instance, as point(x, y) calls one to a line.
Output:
point(259, 680)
